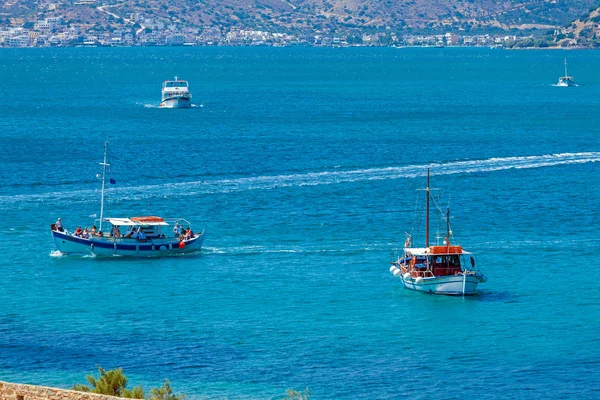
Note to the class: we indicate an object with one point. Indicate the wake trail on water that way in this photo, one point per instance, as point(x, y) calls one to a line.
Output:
point(152, 105)
point(268, 182)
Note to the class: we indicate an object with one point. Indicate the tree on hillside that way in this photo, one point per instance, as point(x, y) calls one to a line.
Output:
point(112, 383)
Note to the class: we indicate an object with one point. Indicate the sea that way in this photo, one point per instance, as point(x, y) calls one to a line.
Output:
point(304, 166)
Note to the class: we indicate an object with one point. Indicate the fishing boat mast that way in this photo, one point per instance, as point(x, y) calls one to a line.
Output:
point(447, 227)
point(104, 165)
point(427, 189)
point(566, 74)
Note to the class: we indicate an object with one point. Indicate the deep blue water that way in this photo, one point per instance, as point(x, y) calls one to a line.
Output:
point(302, 166)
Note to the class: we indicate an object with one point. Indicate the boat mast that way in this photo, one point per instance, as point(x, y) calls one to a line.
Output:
point(448, 226)
point(566, 74)
point(104, 165)
point(427, 212)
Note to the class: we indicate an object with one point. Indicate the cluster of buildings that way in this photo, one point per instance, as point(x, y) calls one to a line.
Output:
point(48, 32)
point(54, 31)
point(451, 39)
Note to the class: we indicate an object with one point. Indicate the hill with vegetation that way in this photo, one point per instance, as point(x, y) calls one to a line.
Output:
point(583, 32)
point(307, 16)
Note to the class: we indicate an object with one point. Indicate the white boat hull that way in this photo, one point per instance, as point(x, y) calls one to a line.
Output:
point(176, 103)
point(566, 82)
point(68, 244)
point(449, 285)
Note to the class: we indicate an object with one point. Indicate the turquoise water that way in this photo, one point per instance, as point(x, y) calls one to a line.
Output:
point(302, 165)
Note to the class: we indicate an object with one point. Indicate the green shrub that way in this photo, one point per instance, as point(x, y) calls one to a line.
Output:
point(114, 383)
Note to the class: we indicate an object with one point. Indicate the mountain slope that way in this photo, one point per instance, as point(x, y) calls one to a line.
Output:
point(308, 16)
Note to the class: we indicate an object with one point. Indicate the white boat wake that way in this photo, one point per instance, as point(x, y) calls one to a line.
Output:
point(152, 105)
point(267, 182)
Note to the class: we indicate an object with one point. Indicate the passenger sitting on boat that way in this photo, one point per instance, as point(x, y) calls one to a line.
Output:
point(117, 232)
point(131, 233)
point(78, 232)
point(93, 230)
point(85, 234)
point(99, 233)
point(59, 225)
point(140, 235)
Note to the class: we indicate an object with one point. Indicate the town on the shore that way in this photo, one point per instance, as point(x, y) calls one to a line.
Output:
point(54, 32)
point(58, 30)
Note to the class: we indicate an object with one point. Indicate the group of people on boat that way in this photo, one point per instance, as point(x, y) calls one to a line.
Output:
point(133, 232)
point(86, 233)
point(181, 233)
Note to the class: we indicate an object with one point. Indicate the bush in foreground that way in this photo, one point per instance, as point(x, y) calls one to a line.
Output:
point(114, 383)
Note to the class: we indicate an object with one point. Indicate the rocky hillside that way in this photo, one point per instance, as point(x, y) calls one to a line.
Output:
point(583, 32)
point(306, 16)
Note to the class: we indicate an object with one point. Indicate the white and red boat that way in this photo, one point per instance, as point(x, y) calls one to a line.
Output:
point(440, 269)
point(135, 236)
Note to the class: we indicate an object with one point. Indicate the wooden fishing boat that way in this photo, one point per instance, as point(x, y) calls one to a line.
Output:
point(135, 236)
point(438, 269)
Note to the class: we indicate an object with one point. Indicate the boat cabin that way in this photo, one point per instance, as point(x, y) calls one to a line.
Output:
point(434, 261)
point(176, 84)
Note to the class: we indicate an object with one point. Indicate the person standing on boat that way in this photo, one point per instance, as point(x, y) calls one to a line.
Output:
point(59, 225)
point(177, 230)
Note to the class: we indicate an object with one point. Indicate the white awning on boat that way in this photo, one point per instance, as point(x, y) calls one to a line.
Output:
point(418, 251)
point(424, 251)
point(128, 222)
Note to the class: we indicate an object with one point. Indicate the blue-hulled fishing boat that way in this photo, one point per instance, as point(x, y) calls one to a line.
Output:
point(135, 236)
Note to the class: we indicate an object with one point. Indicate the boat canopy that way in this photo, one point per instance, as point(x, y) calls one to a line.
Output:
point(136, 221)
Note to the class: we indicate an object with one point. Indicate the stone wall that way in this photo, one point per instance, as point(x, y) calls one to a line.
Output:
point(16, 391)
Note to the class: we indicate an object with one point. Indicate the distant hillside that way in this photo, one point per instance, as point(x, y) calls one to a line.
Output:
point(305, 16)
point(582, 32)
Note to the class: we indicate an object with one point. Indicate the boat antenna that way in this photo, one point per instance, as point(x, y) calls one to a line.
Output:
point(104, 165)
point(427, 212)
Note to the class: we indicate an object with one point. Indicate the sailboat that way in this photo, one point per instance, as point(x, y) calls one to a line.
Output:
point(566, 80)
point(135, 236)
point(438, 269)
